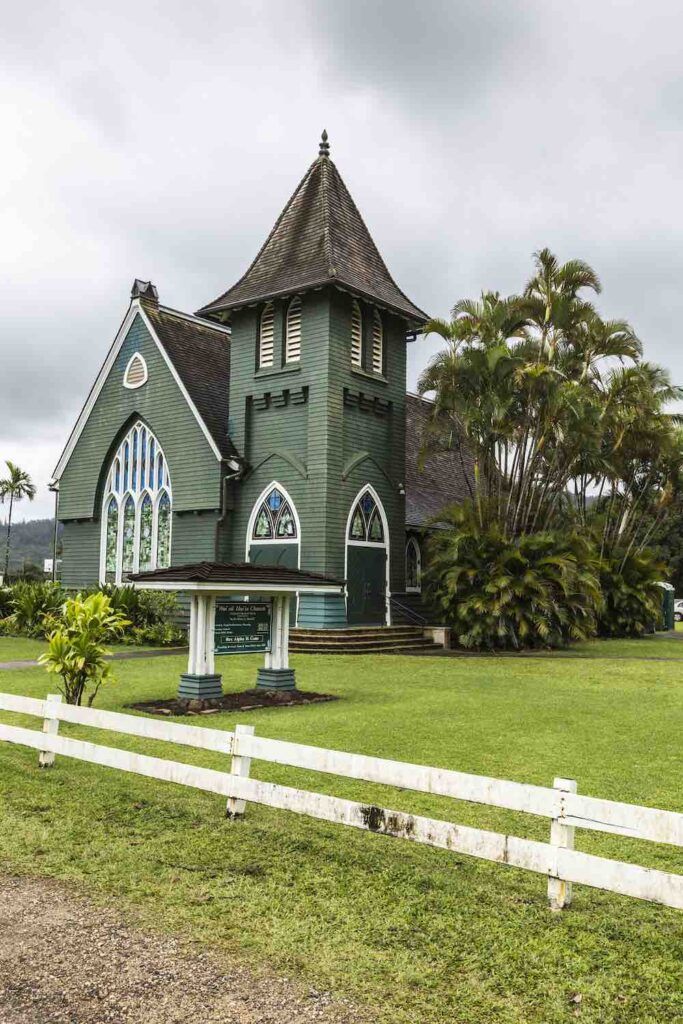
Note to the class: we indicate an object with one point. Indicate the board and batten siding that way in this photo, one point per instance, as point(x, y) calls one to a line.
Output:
point(306, 447)
point(80, 554)
point(194, 468)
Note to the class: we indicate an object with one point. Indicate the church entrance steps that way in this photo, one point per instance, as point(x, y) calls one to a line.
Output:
point(360, 640)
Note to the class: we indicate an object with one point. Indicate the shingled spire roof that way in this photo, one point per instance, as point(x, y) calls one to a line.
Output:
point(319, 238)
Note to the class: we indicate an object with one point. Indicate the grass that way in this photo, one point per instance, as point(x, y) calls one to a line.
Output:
point(20, 648)
point(415, 934)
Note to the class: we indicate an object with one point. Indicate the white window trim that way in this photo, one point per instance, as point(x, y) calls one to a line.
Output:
point(121, 499)
point(370, 544)
point(418, 551)
point(272, 540)
point(145, 378)
point(269, 308)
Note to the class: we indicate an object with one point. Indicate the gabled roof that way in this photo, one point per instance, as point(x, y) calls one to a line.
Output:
point(319, 238)
point(443, 480)
point(201, 356)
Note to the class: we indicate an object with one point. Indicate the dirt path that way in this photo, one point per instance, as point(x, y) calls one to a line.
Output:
point(64, 961)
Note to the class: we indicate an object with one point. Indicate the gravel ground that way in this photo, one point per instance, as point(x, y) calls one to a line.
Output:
point(65, 961)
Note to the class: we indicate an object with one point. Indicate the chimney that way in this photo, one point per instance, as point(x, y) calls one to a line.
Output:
point(145, 291)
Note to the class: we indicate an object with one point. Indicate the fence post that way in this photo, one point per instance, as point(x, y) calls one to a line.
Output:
point(46, 758)
point(240, 766)
point(560, 892)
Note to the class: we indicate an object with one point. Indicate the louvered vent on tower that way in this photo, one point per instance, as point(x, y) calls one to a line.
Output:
point(377, 344)
point(293, 338)
point(136, 372)
point(266, 336)
point(356, 335)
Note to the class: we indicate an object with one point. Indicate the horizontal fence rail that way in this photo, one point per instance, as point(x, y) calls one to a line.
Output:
point(567, 810)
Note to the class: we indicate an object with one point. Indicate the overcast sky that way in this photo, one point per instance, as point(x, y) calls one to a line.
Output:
point(161, 140)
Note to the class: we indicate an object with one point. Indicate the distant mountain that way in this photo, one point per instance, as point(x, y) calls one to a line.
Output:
point(31, 541)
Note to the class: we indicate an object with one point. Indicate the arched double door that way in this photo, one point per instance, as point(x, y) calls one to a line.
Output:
point(367, 560)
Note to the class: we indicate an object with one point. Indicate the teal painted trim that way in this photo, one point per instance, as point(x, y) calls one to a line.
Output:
point(279, 453)
point(200, 687)
point(322, 611)
point(360, 458)
point(275, 679)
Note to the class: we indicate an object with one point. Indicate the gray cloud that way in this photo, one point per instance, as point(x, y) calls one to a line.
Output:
point(162, 141)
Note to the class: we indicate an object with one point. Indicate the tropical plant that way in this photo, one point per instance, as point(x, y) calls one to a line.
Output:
point(76, 647)
point(563, 424)
point(32, 603)
point(632, 597)
point(537, 590)
point(13, 488)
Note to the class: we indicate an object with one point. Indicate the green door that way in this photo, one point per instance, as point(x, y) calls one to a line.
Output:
point(366, 576)
point(277, 554)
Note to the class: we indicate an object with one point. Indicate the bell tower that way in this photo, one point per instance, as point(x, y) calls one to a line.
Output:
point(317, 402)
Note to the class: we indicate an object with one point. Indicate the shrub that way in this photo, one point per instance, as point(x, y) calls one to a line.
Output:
point(161, 634)
point(537, 590)
point(32, 603)
point(76, 648)
point(632, 599)
point(140, 607)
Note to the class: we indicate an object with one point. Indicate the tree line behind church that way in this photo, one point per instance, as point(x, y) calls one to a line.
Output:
point(577, 483)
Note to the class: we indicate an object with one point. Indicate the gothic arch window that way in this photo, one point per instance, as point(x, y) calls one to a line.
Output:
point(293, 331)
point(266, 336)
point(136, 511)
point(366, 525)
point(274, 518)
point(413, 566)
point(377, 343)
point(356, 335)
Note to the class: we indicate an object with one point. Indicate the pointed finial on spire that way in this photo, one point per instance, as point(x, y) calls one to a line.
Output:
point(324, 144)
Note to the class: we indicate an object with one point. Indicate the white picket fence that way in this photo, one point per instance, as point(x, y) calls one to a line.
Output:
point(567, 810)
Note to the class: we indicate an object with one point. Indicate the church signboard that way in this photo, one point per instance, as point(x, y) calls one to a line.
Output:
point(242, 627)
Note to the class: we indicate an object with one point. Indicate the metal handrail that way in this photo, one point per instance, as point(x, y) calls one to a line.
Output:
point(409, 612)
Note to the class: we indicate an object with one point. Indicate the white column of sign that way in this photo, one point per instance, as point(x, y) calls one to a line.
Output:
point(210, 629)
point(194, 638)
point(284, 630)
point(200, 670)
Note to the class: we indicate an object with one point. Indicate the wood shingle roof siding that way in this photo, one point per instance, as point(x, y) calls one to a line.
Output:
point(319, 238)
point(201, 356)
point(443, 479)
point(248, 574)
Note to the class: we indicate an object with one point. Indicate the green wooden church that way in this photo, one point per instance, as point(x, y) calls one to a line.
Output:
point(271, 426)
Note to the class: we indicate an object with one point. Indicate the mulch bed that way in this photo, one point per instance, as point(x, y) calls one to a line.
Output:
point(248, 700)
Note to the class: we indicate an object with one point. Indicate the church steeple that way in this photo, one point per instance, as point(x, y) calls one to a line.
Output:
point(319, 238)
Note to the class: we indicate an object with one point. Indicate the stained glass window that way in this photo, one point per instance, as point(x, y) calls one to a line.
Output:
point(274, 519)
point(164, 532)
point(111, 539)
point(366, 521)
point(146, 528)
point(128, 553)
point(262, 526)
point(136, 514)
point(286, 526)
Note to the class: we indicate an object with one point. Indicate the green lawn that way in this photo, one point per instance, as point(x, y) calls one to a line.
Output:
point(19, 648)
point(415, 934)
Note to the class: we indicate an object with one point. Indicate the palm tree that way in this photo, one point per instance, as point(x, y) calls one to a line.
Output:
point(14, 487)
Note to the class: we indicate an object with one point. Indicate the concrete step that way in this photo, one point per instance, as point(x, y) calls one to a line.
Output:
point(356, 633)
point(363, 647)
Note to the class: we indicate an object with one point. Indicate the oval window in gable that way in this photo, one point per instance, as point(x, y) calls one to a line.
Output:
point(136, 372)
